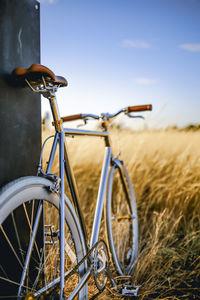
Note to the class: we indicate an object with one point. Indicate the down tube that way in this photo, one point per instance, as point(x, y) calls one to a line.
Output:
point(101, 196)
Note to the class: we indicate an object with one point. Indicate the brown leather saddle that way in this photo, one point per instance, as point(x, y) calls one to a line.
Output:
point(34, 75)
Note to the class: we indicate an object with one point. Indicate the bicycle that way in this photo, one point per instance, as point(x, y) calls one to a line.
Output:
point(50, 253)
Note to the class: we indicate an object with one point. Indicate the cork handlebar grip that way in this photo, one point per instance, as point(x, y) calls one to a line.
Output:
point(72, 118)
point(139, 108)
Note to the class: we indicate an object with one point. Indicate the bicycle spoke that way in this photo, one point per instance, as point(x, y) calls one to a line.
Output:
point(17, 236)
point(32, 258)
point(14, 282)
point(15, 254)
point(55, 271)
point(11, 246)
point(47, 211)
point(42, 265)
point(39, 271)
point(69, 251)
point(9, 297)
point(29, 223)
point(38, 275)
point(4, 272)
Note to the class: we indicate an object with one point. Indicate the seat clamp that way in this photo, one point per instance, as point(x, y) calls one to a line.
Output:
point(57, 124)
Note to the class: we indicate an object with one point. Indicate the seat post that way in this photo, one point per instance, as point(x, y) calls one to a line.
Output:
point(57, 121)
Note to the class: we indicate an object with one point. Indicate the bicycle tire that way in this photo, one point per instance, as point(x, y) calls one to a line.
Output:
point(19, 201)
point(121, 220)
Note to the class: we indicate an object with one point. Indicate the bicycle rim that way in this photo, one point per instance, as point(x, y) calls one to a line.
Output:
point(121, 220)
point(19, 208)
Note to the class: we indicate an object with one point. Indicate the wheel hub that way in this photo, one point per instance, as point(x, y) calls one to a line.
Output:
point(30, 296)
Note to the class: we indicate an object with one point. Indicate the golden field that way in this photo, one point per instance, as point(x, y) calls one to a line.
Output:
point(165, 170)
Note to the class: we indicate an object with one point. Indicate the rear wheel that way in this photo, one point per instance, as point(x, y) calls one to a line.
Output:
point(21, 203)
point(121, 220)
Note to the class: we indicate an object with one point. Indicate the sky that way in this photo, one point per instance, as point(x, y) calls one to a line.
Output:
point(118, 53)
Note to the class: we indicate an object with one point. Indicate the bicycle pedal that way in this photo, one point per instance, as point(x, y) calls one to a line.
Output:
point(130, 290)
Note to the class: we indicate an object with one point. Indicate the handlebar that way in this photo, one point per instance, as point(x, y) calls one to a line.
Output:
point(72, 118)
point(79, 117)
point(139, 108)
point(107, 116)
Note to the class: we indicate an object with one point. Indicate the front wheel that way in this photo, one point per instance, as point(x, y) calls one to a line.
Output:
point(121, 220)
point(29, 215)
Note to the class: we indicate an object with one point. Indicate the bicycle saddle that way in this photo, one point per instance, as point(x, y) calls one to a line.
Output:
point(34, 75)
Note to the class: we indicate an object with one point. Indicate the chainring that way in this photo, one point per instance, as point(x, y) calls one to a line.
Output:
point(100, 264)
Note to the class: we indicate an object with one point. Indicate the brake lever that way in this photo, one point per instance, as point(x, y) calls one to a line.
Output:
point(131, 116)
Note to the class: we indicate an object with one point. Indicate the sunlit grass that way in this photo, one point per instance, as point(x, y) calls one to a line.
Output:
point(165, 170)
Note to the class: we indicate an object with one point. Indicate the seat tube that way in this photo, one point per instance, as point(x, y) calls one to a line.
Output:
point(59, 129)
point(62, 215)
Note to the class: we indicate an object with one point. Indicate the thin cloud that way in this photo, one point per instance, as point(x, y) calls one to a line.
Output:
point(146, 81)
point(191, 47)
point(140, 44)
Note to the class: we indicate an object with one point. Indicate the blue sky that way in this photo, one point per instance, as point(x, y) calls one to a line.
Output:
point(116, 53)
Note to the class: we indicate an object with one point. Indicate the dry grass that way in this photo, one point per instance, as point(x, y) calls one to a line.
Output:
point(165, 171)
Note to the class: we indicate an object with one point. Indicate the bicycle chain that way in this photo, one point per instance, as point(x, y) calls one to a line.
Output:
point(82, 260)
point(108, 271)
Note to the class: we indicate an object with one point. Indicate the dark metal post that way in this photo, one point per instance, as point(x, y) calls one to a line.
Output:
point(20, 116)
point(20, 112)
